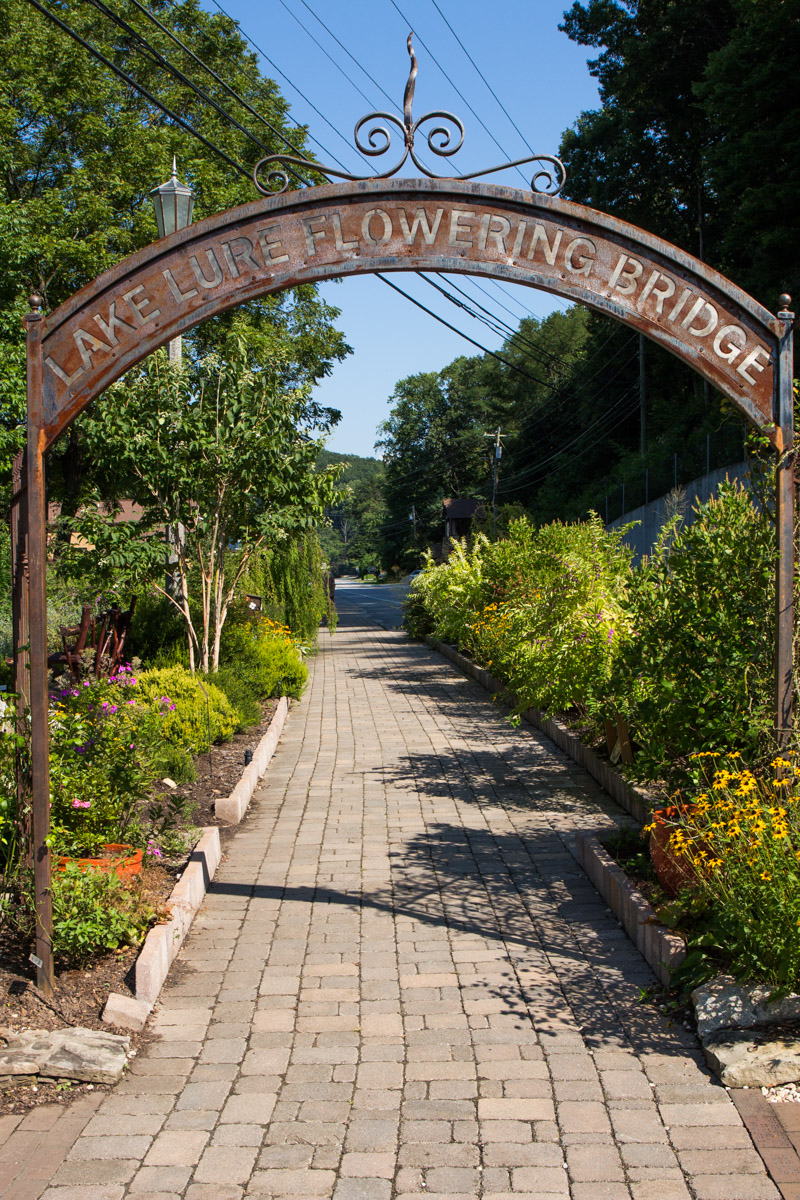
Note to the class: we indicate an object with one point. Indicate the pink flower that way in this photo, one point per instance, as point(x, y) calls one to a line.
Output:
point(81, 804)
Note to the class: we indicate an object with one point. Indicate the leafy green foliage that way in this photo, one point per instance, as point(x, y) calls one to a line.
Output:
point(696, 671)
point(193, 713)
point(93, 913)
point(542, 608)
point(266, 657)
point(220, 456)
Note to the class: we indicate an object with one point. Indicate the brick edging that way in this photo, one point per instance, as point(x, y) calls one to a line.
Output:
point(164, 941)
point(659, 946)
point(233, 807)
point(634, 800)
point(770, 1138)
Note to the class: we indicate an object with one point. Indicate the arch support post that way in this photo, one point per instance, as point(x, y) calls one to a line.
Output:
point(37, 616)
point(784, 528)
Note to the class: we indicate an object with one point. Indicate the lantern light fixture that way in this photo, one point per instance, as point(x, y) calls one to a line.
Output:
point(173, 203)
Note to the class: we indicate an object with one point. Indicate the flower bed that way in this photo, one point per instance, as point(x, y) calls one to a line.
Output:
point(678, 653)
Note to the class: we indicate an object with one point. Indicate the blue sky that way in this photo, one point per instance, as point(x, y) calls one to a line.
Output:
point(537, 75)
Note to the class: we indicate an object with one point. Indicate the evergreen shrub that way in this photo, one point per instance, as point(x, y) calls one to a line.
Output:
point(189, 717)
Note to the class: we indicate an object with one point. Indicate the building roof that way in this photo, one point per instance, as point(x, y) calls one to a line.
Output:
point(460, 510)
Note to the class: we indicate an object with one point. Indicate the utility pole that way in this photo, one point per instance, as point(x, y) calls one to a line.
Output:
point(412, 516)
point(498, 454)
point(642, 399)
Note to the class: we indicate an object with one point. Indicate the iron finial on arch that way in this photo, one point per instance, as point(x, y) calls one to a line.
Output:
point(443, 140)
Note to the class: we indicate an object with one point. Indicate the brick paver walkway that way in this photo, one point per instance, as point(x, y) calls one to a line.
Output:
point(402, 985)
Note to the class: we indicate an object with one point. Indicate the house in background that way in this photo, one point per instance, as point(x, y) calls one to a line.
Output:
point(458, 518)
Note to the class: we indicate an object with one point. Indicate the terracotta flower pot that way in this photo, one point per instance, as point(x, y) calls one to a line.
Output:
point(674, 870)
point(126, 861)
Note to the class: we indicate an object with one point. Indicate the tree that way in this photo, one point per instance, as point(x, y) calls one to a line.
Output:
point(219, 456)
point(434, 446)
point(79, 152)
point(749, 94)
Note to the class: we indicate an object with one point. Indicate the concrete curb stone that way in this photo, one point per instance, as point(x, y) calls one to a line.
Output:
point(233, 807)
point(164, 941)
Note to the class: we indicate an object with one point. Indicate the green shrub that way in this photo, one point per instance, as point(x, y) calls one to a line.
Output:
point(93, 913)
point(542, 608)
point(697, 671)
point(265, 656)
point(241, 693)
point(190, 717)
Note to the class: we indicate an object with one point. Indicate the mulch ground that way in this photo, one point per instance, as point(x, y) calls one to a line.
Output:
point(80, 994)
point(219, 771)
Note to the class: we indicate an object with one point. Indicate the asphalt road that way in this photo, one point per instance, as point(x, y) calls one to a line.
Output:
point(380, 602)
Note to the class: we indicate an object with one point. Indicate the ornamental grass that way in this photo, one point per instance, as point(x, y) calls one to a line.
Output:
point(741, 837)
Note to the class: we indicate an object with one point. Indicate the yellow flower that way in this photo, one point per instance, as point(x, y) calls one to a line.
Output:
point(765, 875)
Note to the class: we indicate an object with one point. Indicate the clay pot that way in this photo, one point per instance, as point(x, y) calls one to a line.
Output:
point(674, 871)
point(126, 861)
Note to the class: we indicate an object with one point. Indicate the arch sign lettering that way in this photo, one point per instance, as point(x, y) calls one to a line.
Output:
point(363, 226)
point(409, 225)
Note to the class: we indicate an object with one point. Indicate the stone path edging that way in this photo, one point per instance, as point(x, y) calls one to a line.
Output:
point(660, 946)
point(233, 807)
point(635, 801)
point(164, 941)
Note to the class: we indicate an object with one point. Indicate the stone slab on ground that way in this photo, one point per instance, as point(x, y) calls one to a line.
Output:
point(742, 1061)
point(90, 1055)
point(722, 1003)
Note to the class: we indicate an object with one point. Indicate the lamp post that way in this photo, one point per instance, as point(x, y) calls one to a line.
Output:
point(173, 203)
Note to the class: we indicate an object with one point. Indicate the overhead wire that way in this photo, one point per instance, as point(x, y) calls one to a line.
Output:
point(143, 91)
point(360, 66)
point(483, 77)
point(142, 42)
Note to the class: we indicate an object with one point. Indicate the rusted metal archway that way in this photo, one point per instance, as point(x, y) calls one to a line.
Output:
point(362, 227)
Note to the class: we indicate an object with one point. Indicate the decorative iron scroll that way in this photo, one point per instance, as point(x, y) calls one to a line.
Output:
point(443, 140)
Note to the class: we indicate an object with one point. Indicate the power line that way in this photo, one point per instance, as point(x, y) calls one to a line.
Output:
point(360, 66)
point(222, 82)
point(143, 45)
point(138, 87)
point(483, 77)
point(330, 57)
point(520, 475)
point(294, 87)
point(466, 337)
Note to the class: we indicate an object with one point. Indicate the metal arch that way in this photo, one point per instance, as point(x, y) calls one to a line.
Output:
point(373, 225)
point(409, 225)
